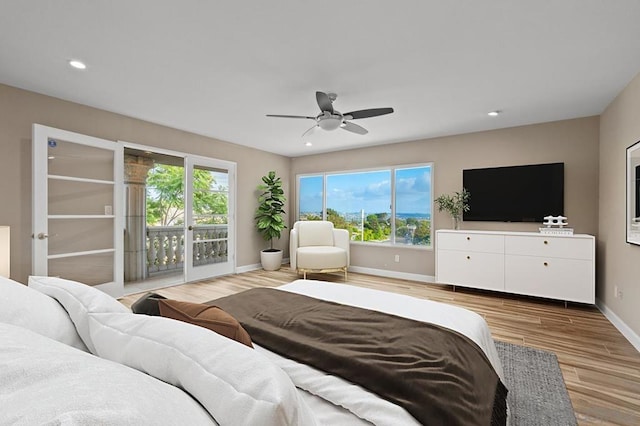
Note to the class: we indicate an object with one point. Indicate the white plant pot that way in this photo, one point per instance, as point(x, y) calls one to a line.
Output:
point(271, 260)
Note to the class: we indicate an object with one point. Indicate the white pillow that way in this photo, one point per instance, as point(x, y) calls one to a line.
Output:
point(46, 382)
point(25, 307)
point(233, 382)
point(79, 300)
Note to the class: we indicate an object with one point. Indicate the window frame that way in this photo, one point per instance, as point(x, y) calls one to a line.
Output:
point(392, 169)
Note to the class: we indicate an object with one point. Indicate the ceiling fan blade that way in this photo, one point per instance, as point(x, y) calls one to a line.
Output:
point(308, 132)
point(354, 128)
point(290, 116)
point(324, 102)
point(366, 113)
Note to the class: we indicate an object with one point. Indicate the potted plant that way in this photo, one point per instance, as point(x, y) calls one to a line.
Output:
point(455, 205)
point(269, 219)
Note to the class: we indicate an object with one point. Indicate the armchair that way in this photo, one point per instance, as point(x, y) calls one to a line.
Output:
point(316, 246)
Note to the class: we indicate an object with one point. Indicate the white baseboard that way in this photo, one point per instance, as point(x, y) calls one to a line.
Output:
point(248, 268)
point(255, 266)
point(393, 274)
point(622, 327)
point(370, 271)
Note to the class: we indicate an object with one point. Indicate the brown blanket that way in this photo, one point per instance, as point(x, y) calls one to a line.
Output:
point(439, 376)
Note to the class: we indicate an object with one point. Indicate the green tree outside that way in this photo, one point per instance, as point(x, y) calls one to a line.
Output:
point(165, 197)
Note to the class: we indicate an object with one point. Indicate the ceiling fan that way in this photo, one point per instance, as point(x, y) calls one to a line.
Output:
point(331, 119)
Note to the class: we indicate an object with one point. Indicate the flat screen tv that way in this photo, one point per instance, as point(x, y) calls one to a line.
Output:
point(516, 193)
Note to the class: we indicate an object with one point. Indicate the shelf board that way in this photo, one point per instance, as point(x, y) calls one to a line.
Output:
point(80, 216)
point(80, 253)
point(79, 179)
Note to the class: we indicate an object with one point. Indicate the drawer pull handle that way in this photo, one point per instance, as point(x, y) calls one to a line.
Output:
point(546, 264)
point(546, 242)
point(468, 238)
point(468, 257)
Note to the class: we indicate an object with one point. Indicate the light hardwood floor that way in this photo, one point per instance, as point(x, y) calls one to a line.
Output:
point(600, 367)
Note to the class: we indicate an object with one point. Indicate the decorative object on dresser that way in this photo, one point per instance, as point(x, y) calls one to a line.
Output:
point(455, 205)
point(556, 225)
point(558, 267)
point(269, 219)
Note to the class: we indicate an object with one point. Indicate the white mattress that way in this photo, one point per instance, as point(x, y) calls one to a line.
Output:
point(337, 401)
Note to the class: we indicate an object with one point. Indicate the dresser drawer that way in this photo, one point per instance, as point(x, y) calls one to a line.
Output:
point(466, 241)
point(470, 269)
point(556, 278)
point(549, 246)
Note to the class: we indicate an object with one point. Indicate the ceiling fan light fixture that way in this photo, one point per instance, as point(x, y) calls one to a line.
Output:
point(330, 123)
point(77, 64)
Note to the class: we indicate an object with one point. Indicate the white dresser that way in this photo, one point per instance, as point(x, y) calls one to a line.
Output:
point(553, 266)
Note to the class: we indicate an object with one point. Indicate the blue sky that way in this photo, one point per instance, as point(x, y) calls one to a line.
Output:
point(370, 191)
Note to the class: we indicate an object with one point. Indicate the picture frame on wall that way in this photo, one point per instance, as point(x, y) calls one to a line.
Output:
point(633, 194)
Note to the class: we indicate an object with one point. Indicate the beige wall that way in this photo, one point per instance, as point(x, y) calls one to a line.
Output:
point(619, 262)
point(19, 109)
point(574, 142)
point(593, 150)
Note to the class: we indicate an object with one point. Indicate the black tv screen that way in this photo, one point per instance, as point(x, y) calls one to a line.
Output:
point(516, 193)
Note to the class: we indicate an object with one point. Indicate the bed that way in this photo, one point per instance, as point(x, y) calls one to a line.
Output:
point(72, 355)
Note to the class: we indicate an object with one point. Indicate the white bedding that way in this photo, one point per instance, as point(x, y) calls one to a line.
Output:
point(45, 382)
point(164, 349)
point(362, 403)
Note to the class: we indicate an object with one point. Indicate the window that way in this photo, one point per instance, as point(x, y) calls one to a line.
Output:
point(310, 197)
point(384, 206)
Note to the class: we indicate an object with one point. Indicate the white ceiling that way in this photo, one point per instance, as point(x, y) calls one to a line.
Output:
point(217, 67)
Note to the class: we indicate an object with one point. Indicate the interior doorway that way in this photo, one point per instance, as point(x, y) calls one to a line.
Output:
point(179, 219)
point(154, 220)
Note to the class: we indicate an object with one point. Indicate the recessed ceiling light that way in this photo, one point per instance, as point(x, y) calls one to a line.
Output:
point(494, 113)
point(308, 144)
point(77, 64)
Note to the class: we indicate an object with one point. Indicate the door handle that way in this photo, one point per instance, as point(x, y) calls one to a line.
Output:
point(42, 236)
point(190, 228)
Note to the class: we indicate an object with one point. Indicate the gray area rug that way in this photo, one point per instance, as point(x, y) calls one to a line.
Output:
point(537, 393)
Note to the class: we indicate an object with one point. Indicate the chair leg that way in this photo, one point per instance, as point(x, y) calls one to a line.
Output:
point(304, 275)
point(345, 274)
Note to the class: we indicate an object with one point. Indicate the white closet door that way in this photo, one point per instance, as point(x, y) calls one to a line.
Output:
point(77, 208)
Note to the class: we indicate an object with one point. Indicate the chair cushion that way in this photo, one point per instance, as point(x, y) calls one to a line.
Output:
point(315, 233)
point(321, 257)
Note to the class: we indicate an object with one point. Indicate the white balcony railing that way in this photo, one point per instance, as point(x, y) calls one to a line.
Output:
point(165, 247)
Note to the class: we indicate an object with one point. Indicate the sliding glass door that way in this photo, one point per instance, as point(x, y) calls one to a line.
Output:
point(209, 217)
